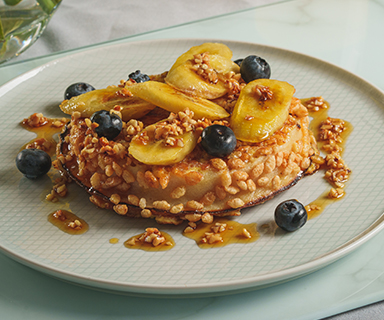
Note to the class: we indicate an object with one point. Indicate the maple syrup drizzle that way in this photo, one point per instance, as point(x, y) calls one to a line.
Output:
point(68, 222)
point(314, 126)
point(233, 233)
point(321, 203)
point(168, 244)
point(234, 230)
point(46, 131)
point(317, 118)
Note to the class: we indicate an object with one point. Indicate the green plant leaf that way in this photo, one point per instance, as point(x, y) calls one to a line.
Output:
point(12, 2)
point(2, 35)
point(48, 5)
point(8, 3)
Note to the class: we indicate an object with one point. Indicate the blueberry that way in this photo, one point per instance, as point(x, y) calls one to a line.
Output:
point(138, 77)
point(218, 140)
point(33, 163)
point(290, 215)
point(238, 61)
point(77, 89)
point(110, 125)
point(254, 67)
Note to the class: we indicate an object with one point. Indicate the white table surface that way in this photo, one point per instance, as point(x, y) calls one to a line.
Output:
point(347, 33)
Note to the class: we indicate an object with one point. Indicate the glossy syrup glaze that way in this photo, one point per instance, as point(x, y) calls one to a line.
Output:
point(317, 206)
point(68, 222)
point(219, 233)
point(45, 129)
point(222, 232)
point(151, 240)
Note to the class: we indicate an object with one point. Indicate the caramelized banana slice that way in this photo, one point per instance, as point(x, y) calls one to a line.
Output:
point(170, 99)
point(207, 82)
point(156, 152)
point(105, 99)
point(261, 109)
point(209, 47)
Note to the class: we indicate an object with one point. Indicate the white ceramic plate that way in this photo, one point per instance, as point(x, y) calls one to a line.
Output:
point(89, 259)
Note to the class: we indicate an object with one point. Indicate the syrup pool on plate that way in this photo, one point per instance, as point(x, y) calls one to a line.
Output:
point(222, 232)
point(68, 222)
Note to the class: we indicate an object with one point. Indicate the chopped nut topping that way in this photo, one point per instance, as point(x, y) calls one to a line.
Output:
point(121, 209)
point(263, 93)
point(234, 84)
point(201, 65)
point(60, 189)
point(207, 218)
point(317, 159)
point(338, 172)
point(208, 199)
point(133, 200)
point(214, 236)
point(161, 205)
point(236, 163)
point(235, 203)
point(315, 104)
point(193, 217)
point(178, 192)
point(51, 197)
point(190, 228)
point(299, 110)
point(115, 198)
point(77, 225)
point(336, 193)
point(168, 130)
point(59, 214)
point(153, 236)
point(113, 170)
point(177, 208)
point(219, 227)
point(41, 143)
point(142, 203)
point(146, 213)
point(193, 177)
point(246, 233)
point(331, 129)
point(195, 205)
point(35, 120)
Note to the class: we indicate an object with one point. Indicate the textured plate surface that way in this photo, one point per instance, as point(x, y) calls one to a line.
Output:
point(89, 259)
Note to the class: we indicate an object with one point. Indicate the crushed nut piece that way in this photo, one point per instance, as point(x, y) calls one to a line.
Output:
point(146, 213)
point(35, 120)
point(246, 233)
point(59, 214)
point(201, 65)
point(207, 218)
point(315, 104)
point(336, 193)
point(77, 225)
point(151, 235)
point(263, 93)
point(121, 209)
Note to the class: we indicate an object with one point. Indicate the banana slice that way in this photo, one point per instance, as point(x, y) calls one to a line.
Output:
point(209, 47)
point(168, 98)
point(106, 99)
point(155, 152)
point(187, 80)
point(261, 109)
